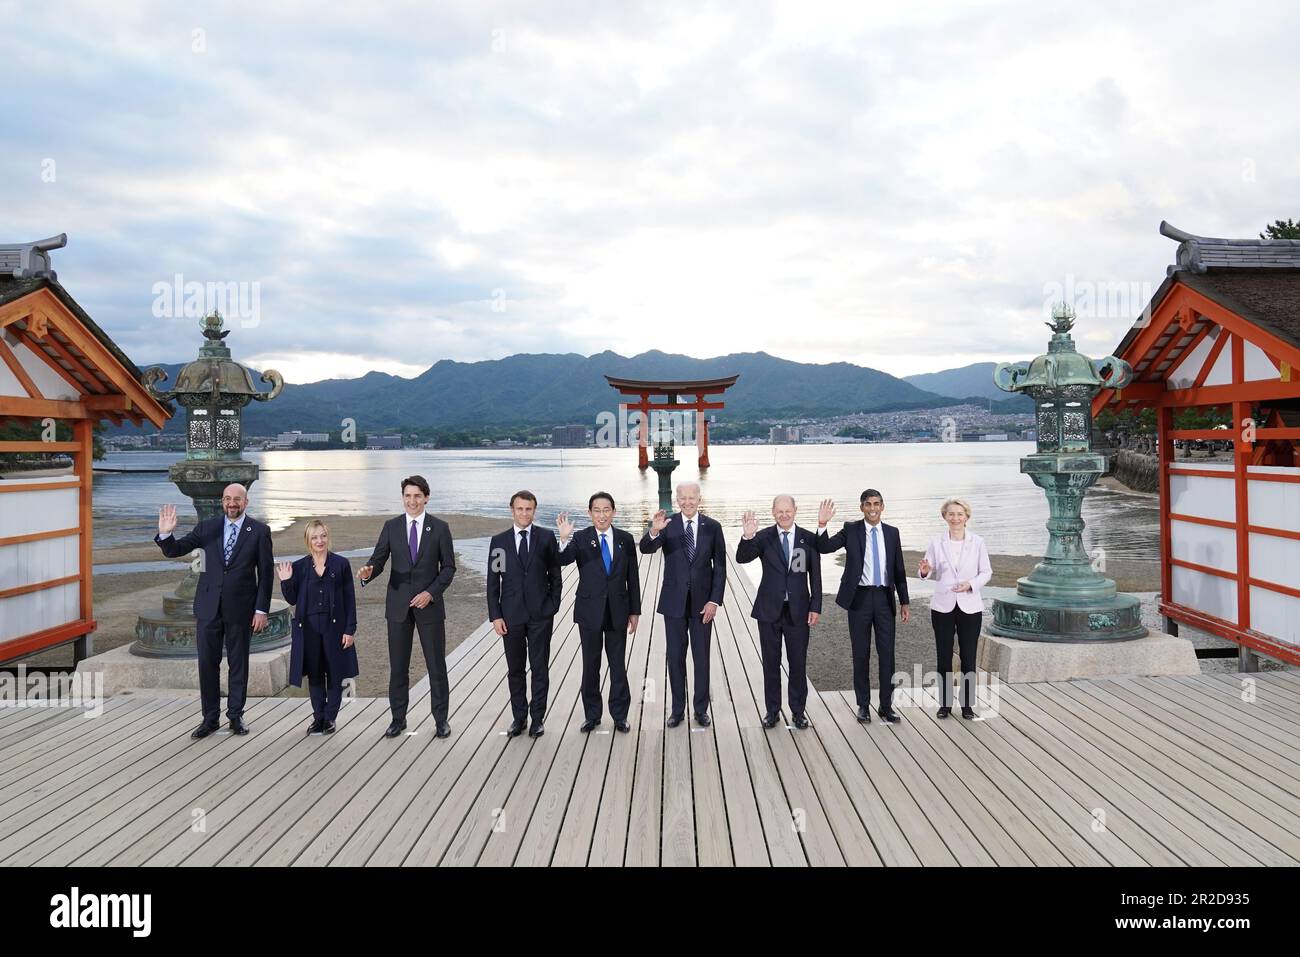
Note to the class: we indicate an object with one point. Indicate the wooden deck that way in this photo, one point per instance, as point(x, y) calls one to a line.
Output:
point(1123, 772)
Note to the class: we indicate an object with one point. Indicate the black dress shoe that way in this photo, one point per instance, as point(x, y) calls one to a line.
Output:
point(769, 720)
point(589, 724)
point(943, 712)
point(516, 728)
point(394, 729)
point(623, 726)
point(702, 719)
point(203, 730)
point(889, 717)
point(237, 726)
point(327, 727)
point(444, 730)
point(801, 720)
point(317, 726)
point(968, 713)
point(537, 730)
point(864, 715)
point(674, 720)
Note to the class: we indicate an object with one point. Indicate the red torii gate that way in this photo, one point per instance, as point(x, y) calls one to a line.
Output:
point(645, 388)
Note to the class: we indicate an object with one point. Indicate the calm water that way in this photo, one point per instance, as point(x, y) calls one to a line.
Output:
point(1010, 511)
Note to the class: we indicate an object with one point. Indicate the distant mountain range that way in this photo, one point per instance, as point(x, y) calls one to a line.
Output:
point(551, 389)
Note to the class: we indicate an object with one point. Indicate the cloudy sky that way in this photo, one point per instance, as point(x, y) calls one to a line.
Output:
point(398, 183)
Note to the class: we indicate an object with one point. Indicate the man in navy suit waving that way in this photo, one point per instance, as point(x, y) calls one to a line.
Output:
point(231, 601)
point(695, 575)
point(607, 606)
point(873, 572)
point(788, 603)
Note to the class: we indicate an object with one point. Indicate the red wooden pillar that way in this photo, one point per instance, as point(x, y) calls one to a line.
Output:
point(643, 433)
point(1240, 459)
point(702, 430)
point(1165, 425)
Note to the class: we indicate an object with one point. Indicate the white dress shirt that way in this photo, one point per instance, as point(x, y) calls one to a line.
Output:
point(867, 569)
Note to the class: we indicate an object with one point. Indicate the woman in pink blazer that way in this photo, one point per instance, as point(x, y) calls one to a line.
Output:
point(960, 563)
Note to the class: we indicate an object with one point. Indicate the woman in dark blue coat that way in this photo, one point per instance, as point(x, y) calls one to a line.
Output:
point(319, 585)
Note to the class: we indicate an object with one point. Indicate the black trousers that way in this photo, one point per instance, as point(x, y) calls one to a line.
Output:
point(433, 641)
point(234, 635)
point(614, 642)
point(870, 611)
point(326, 690)
point(681, 632)
point(795, 633)
point(967, 625)
point(528, 645)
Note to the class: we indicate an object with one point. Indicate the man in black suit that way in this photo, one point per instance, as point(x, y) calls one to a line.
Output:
point(607, 606)
point(523, 595)
point(788, 603)
point(423, 566)
point(873, 572)
point(695, 575)
point(231, 601)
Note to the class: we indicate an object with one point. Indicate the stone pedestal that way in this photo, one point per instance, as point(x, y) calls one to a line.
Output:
point(268, 672)
point(1013, 660)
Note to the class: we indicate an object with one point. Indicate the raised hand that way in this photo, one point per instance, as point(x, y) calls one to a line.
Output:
point(284, 570)
point(749, 524)
point(658, 522)
point(564, 526)
point(925, 568)
point(166, 520)
point(826, 511)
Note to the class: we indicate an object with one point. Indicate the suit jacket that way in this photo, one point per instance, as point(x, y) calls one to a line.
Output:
point(342, 611)
point(432, 571)
point(802, 580)
point(230, 592)
point(520, 593)
point(704, 579)
point(620, 589)
point(853, 539)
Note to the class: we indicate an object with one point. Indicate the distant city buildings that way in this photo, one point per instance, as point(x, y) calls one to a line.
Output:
point(383, 441)
point(782, 435)
point(287, 440)
point(569, 437)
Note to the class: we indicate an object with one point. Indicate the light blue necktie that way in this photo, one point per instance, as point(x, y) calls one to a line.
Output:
point(604, 553)
point(875, 555)
point(230, 542)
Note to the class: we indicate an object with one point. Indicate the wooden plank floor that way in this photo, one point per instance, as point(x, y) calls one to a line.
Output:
point(1131, 771)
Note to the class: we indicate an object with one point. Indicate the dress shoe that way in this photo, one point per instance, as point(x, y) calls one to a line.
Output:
point(801, 720)
point(203, 730)
point(444, 730)
point(864, 715)
point(943, 713)
point(327, 727)
point(589, 724)
point(623, 726)
point(516, 728)
point(237, 726)
point(674, 720)
point(537, 730)
point(968, 713)
point(769, 720)
point(889, 717)
point(394, 729)
point(317, 726)
point(702, 719)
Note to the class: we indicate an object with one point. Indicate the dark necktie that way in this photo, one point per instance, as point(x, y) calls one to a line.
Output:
point(523, 548)
point(690, 541)
point(414, 542)
point(230, 542)
point(785, 547)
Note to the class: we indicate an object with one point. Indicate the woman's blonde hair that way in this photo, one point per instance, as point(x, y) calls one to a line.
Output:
point(943, 509)
point(314, 524)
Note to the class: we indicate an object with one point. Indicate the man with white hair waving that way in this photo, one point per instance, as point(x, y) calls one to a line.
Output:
point(231, 601)
point(695, 575)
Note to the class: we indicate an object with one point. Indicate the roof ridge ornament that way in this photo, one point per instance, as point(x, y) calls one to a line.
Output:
point(31, 260)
